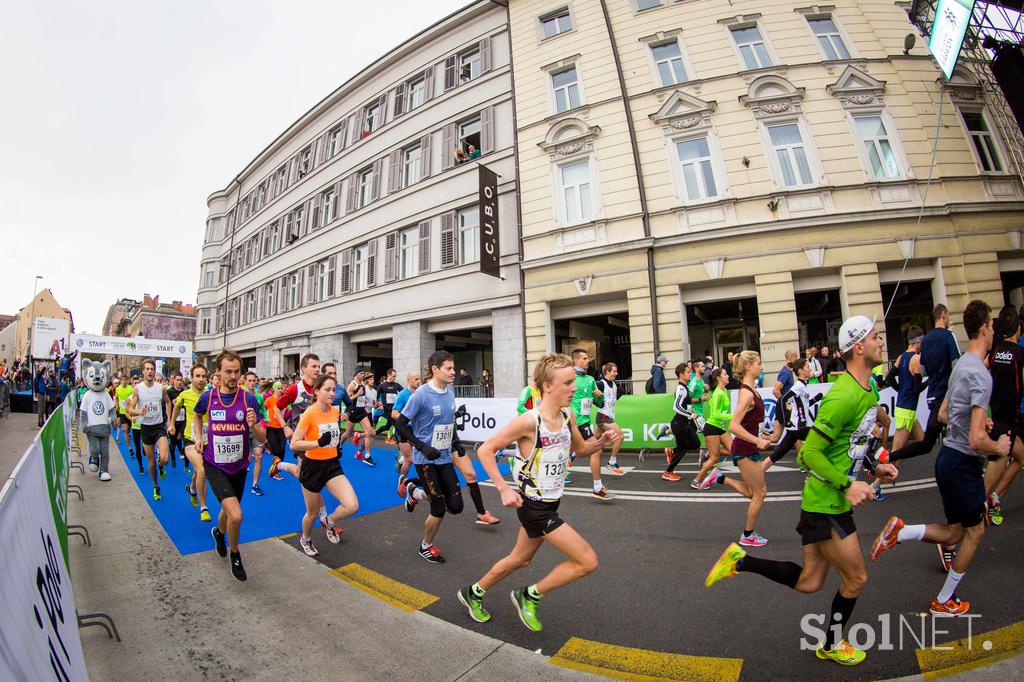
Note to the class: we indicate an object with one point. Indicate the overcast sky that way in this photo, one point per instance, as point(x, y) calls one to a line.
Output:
point(120, 118)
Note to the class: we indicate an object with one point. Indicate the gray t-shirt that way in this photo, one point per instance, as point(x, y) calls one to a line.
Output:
point(970, 386)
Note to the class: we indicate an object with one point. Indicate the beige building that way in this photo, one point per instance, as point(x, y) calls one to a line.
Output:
point(746, 174)
point(45, 305)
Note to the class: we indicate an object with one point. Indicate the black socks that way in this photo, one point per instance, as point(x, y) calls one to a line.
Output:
point(783, 572)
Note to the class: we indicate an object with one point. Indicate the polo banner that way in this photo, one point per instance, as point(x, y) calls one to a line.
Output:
point(489, 242)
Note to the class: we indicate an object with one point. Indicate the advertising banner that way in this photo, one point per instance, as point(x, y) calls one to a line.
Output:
point(49, 337)
point(138, 347)
point(489, 242)
point(952, 17)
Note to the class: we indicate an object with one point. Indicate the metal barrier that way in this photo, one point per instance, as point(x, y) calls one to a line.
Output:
point(5, 398)
point(474, 391)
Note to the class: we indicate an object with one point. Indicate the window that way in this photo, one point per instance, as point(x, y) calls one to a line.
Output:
point(327, 203)
point(250, 306)
point(751, 46)
point(874, 139)
point(698, 174)
point(789, 152)
point(305, 161)
point(261, 196)
point(334, 140)
point(411, 165)
point(281, 178)
point(556, 22)
point(469, 235)
point(374, 118)
point(469, 136)
point(566, 87)
point(415, 93)
point(297, 216)
point(293, 290)
point(206, 321)
point(576, 198)
point(360, 268)
point(408, 253)
point(984, 143)
point(208, 276)
point(641, 5)
point(275, 236)
point(469, 65)
point(324, 274)
point(218, 319)
point(269, 299)
point(365, 187)
point(829, 38)
point(669, 62)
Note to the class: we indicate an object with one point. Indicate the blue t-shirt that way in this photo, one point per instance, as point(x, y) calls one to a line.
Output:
point(341, 398)
point(203, 404)
point(938, 353)
point(432, 419)
point(786, 377)
point(401, 400)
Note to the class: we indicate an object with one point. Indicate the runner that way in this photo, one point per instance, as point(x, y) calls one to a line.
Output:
point(428, 422)
point(231, 422)
point(716, 430)
point(275, 430)
point(545, 437)
point(529, 398)
point(186, 404)
point(149, 401)
point(906, 374)
point(606, 412)
point(747, 446)
point(794, 412)
point(960, 464)
point(362, 395)
point(137, 431)
point(296, 399)
point(404, 460)
point(318, 436)
point(389, 390)
point(122, 395)
point(836, 447)
point(585, 397)
point(684, 425)
point(177, 432)
point(1006, 362)
point(699, 394)
point(255, 446)
point(938, 353)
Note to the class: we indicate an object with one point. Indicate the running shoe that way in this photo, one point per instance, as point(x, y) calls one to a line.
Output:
point(204, 515)
point(431, 554)
point(402, 484)
point(237, 570)
point(946, 555)
point(487, 519)
point(755, 539)
point(410, 498)
point(952, 607)
point(526, 608)
point(141, 470)
point(695, 484)
point(307, 547)
point(156, 493)
point(568, 481)
point(93, 466)
point(703, 457)
point(725, 567)
point(104, 476)
point(368, 460)
point(358, 453)
point(333, 532)
point(995, 509)
point(277, 476)
point(879, 495)
point(191, 495)
point(163, 472)
point(474, 605)
point(664, 432)
point(218, 542)
point(712, 479)
point(603, 495)
point(256, 490)
point(888, 538)
point(273, 468)
point(322, 515)
point(613, 467)
point(843, 654)
point(356, 438)
point(672, 477)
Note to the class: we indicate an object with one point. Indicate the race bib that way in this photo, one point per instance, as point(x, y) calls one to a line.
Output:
point(585, 405)
point(361, 401)
point(390, 398)
point(181, 416)
point(331, 428)
point(551, 478)
point(124, 404)
point(152, 407)
point(442, 436)
point(699, 422)
point(227, 449)
point(857, 454)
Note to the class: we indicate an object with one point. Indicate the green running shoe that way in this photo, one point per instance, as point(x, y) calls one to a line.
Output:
point(844, 654)
point(474, 605)
point(527, 609)
point(725, 567)
point(156, 494)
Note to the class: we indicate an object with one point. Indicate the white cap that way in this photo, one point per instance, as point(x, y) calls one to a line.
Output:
point(854, 330)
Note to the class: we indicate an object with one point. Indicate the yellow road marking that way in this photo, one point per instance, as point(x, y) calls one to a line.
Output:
point(384, 588)
point(627, 663)
point(286, 536)
point(980, 649)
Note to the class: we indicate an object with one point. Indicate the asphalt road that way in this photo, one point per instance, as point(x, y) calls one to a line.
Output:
point(655, 544)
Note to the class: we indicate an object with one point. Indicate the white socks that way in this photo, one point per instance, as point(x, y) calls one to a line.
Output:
point(949, 588)
point(419, 494)
point(911, 533)
point(598, 485)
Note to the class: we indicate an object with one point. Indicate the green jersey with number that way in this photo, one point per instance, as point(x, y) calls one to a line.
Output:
point(696, 388)
point(834, 451)
point(124, 394)
point(584, 399)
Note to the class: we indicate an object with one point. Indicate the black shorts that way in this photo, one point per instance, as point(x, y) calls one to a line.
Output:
point(1012, 429)
point(586, 431)
point(710, 430)
point(961, 482)
point(225, 485)
point(603, 419)
point(124, 419)
point(315, 473)
point(275, 441)
point(539, 518)
point(189, 443)
point(151, 433)
point(356, 415)
point(817, 527)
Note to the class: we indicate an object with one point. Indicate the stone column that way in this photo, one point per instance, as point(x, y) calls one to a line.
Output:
point(411, 345)
point(268, 361)
point(776, 313)
point(861, 293)
point(967, 277)
point(507, 345)
point(339, 349)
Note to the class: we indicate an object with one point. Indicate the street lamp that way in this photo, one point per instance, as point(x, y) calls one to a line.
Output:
point(32, 313)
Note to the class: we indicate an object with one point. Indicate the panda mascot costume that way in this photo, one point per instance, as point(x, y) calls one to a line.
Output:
point(98, 415)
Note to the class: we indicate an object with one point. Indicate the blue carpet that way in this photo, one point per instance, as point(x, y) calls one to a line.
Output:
point(279, 511)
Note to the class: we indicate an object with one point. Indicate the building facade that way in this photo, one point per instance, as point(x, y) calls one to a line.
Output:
point(703, 176)
point(151, 319)
point(44, 305)
point(356, 233)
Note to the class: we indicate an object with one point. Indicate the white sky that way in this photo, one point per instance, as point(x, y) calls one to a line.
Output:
point(119, 119)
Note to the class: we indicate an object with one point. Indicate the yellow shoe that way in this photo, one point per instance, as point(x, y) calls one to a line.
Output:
point(204, 515)
point(725, 567)
point(844, 654)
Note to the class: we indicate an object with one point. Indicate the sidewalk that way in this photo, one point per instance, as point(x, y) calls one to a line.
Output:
point(185, 618)
point(16, 433)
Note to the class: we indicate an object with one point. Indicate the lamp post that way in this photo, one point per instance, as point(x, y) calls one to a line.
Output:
point(32, 313)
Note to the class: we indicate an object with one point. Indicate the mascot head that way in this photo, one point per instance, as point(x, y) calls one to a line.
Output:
point(95, 375)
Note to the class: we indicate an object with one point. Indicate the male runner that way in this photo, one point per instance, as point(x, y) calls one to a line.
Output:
point(361, 396)
point(938, 353)
point(256, 447)
point(150, 402)
point(1006, 362)
point(231, 421)
point(960, 464)
point(296, 399)
point(404, 460)
point(785, 377)
point(907, 371)
point(583, 399)
point(839, 443)
point(274, 427)
point(606, 412)
point(186, 403)
point(176, 430)
point(122, 395)
point(699, 394)
point(389, 390)
point(795, 412)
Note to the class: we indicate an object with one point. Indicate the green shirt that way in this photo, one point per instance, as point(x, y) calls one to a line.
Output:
point(529, 398)
point(834, 451)
point(720, 409)
point(696, 388)
point(262, 414)
point(124, 394)
point(583, 399)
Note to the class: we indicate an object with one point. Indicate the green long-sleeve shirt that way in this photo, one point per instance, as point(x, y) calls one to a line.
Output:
point(720, 409)
point(583, 399)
